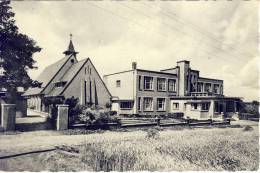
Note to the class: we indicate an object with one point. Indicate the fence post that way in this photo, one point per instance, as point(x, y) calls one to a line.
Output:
point(188, 121)
point(228, 120)
point(119, 123)
point(8, 114)
point(211, 121)
point(62, 117)
point(158, 121)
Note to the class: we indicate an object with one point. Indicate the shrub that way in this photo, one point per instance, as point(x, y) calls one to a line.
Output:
point(108, 105)
point(248, 128)
point(112, 113)
point(91, 116)
point(152, 134)
point(250, 108)
point(176, 115)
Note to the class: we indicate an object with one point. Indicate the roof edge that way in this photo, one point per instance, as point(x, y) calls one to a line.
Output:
point(56, 73)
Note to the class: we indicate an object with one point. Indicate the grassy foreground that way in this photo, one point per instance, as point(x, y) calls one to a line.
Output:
point(232, 149)
point(223, 149)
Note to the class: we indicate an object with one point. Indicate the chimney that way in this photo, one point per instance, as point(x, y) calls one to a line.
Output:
point(134, 65)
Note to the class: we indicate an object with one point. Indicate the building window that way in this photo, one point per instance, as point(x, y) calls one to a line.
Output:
point(216, 88)
point(205, 106)
point(171, 85)
point(199, 87)
point(126, 105)
point(139, 103)
point(118, 83)
point(139, 82)
point(161, 84)
point(194, 106)
point(161, 104)
point(175, 106)
point(208, 87)
point(60, 84)
point(148, 104)
point(148, 83)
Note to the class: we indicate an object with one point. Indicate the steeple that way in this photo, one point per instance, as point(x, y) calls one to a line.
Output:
point(70, 49)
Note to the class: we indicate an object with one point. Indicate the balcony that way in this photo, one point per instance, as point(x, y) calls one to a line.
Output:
point(199, 94)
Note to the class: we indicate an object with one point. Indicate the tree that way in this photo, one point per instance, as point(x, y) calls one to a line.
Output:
point(16, 52)
point(250, 107)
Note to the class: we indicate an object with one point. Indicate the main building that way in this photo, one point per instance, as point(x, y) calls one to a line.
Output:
point(175, 90)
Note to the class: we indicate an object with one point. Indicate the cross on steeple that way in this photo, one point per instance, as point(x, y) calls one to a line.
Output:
point(70, 49)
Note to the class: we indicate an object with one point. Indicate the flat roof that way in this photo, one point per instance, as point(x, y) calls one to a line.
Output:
point(118, 72)
point(203, 97)
point(210, 79)
point(169, 68)
point(142, 70)
point(156, 72)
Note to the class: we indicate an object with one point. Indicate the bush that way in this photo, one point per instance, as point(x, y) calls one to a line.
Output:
point(248, 128)
point(177, 115)
point(152, 134)
point(112, 113)
point(250, 108)
point(108, 105)
point(91, 116)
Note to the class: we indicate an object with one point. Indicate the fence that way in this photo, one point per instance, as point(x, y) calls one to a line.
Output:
point(170, 122)
point(147, 122)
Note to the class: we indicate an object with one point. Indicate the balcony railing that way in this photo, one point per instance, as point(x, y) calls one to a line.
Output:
point(199, 94)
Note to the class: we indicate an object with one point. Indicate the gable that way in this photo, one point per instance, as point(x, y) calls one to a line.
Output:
point(46, 75)
point(83, 71)
point(60, 72)
point(67, 77)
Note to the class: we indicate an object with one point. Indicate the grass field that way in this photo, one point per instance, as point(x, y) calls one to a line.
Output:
point(232, 149)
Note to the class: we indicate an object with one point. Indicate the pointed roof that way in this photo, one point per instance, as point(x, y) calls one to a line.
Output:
point(70, 49)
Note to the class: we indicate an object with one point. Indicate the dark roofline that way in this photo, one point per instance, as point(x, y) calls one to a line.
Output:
point(194, 70)
point(118, 73)
point(156, 72)
point(210, 79)
point(56, 73)
point(27, 95)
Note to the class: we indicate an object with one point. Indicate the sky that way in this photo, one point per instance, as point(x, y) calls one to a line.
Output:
point(219, 38)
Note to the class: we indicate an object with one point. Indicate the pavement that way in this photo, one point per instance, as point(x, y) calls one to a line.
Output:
point(33, 121)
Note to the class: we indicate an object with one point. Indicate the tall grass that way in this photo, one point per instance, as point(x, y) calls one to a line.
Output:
point(222, 149)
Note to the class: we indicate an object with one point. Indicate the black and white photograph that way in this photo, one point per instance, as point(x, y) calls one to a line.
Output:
point(129, 85)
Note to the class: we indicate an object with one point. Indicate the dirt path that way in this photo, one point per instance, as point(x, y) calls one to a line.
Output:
point(38, 140)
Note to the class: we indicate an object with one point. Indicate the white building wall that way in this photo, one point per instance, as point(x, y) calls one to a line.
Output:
point(126, 91)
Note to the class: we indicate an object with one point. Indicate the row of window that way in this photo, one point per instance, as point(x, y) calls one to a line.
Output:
point(161, 84)
point(88, 70)
point(160, 105)
point(149, 84)
point(204, 106)
point(207, 87)
point(147, 104)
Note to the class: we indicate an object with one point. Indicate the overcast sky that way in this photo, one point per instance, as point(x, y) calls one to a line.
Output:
point(219, 38)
